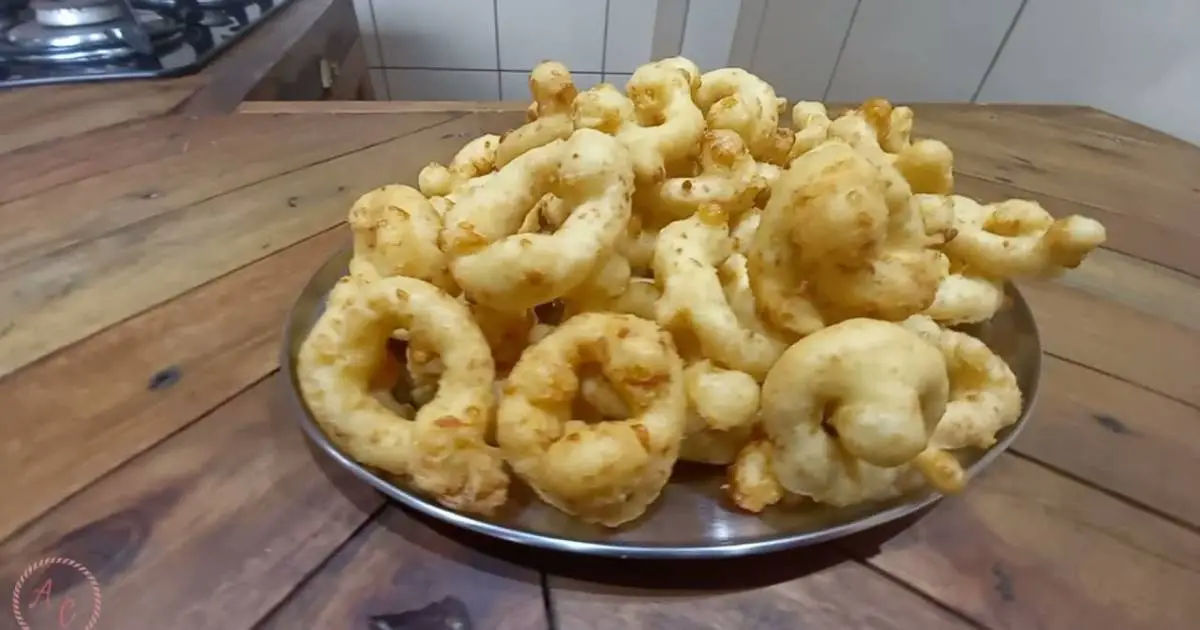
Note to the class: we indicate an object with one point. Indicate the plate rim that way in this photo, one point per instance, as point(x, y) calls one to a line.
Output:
point(762, 545)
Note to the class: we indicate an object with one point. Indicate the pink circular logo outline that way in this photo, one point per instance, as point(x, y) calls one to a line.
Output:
point(59, 560)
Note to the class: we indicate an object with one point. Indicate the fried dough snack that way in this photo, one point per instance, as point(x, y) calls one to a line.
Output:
point(811, 122)
point(846, 408)
point(728, 178)
point(1019, 239)
point(609, 472)
point(476, 158)
point(862, 243)
point(658, 122)
point(395, 234)
point(553, 92)
point(669, 274)
point(685, 263)
point(504, 270)
point(734, 99)
point(722, 413)
point(442, 449)
point(984, 396)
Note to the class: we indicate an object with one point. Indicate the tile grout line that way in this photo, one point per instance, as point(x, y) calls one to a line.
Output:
point(496, 35)
point(841, 49)
point(999, 49)
point(604, 42)
point(387, 88)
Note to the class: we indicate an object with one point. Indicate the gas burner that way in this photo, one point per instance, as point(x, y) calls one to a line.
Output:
point(83, 41)
point(189, 4)
point(68, 13)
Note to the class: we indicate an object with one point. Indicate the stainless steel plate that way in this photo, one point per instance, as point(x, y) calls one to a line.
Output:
point(691, 519)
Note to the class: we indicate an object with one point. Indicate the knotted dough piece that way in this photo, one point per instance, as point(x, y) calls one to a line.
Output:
point(693, 300)
point(883, 134)
point(553, 92)
point(1019, 239)
point(865, 249)
point(396, 234)
point(442, 449)
point(476, 158)
point(608, 472)
point(729, 178)
point(506, 270)
point(659, 122)
point(984, 396)
point(846, 408)
point(734, 99)
point(722, 413)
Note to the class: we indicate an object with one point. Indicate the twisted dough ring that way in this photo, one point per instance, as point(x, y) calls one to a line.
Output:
point(1018, 238)
point(685, 264)
point(553, 93)
point(608, 472)
point(729, 178)
point(879, 390)
point(722, 413)
point(984, 396)
point(442, 449)
point(510, 271)
point(659, 122)
point(396, 234)
point(739, 101)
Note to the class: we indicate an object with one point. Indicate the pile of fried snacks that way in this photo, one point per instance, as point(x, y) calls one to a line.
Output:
point(686, 270)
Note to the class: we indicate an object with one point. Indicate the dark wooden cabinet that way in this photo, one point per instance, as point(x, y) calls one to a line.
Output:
point(326, 62)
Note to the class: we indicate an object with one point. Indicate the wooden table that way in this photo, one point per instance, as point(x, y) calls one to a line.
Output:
point(145, 270)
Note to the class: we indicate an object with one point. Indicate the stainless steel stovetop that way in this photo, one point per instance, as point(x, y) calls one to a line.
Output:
point(63, 41)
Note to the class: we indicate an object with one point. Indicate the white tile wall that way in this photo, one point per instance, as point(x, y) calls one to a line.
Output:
point(798, 45)
point(442, 85)
point(1140, 60)
point(920, 50)
point(535, 30)
point(1135, 59)
point(708, 32)
point(437, 33)
point(629, 33)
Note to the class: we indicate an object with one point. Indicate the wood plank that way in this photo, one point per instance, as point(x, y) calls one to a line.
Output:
point(78, 414)
point(379, 107)
point(1123, 177)
point(400, 566)
point(1026, 548)
point(216, 156)
point(1128, 234)
point(1130, 344)
point(806, 589)
point(211, 529)
point(1118, 436)
point(38, 168)
point(37, 114)
point(54, 301)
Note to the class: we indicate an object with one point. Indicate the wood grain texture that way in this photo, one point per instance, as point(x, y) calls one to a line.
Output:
point(39, 114)
point(211, 529)
point(213, 158)
point(841, 594)
point(398, 566)
point(1117, 339)
point(1026, 548)
point(73, 293)
point(78, 414)
point(1117, 436)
